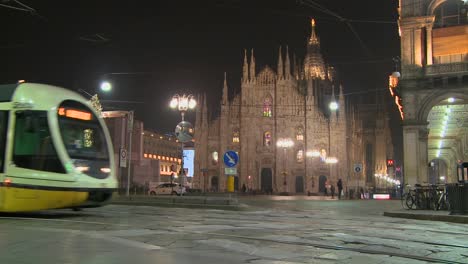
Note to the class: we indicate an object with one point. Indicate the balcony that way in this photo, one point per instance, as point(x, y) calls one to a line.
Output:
point(458, 68)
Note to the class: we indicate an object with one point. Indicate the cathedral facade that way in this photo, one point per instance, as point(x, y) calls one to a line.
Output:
point(289, 104)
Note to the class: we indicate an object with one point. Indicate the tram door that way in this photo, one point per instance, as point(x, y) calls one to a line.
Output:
point(3, 133)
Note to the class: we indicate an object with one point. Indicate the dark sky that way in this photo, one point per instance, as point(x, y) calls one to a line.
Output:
point(186, 46)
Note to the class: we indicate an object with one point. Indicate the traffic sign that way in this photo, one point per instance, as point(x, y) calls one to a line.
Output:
point(357, 167)
point(230, 158)
point(230, 171)
point(123, 158)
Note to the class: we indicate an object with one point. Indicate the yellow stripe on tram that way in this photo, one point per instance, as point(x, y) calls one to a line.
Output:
point(14, 199)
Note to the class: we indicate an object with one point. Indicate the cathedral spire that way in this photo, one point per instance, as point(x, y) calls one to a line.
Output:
point(314, 65)
point(225, 91)
point(245, 68)
point(287, 65)
point(313, 40)
point(280, 65)
point(252, 66)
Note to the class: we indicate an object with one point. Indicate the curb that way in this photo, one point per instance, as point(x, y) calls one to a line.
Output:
point(428, 217)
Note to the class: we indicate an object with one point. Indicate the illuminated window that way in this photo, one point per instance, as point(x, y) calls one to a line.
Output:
point(267, 139)
point(299, 134)
point(235, 136)
point(214, 157)
point(300, 156)
point(267, 107)
point(145, 155)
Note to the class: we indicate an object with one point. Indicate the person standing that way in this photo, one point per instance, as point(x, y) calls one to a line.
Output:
point(332, 189)
point(340, 188)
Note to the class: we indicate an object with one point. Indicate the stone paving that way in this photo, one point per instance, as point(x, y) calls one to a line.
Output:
point(273, 230)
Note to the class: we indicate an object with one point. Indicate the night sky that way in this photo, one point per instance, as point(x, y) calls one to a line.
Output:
point(186, 46)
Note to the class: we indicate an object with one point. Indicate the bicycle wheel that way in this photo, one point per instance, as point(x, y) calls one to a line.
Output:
point(410, 201)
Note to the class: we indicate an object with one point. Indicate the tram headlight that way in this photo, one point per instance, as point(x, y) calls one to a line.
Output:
point(106, 170)
point(82, 168)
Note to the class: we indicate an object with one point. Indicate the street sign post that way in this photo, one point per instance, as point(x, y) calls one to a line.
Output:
point(230, 159)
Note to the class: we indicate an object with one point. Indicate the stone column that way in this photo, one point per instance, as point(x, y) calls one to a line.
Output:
point(417, 52)
point(415, 153)
point(429, 45)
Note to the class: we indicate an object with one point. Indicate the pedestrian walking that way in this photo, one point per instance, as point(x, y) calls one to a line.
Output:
point(340, 188)
point(332, 189)
point(327, 185)
point(244, 188)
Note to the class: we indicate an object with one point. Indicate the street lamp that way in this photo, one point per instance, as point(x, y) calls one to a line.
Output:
point(184, 129)
point(285, 143)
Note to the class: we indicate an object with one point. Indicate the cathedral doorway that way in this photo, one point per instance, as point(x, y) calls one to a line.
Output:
point(322, 180)
point(214, 183)
point(299, 184)
point(266, 182)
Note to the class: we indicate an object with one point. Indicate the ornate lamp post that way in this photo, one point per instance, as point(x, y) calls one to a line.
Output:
point(285, 143)
point(184, 130)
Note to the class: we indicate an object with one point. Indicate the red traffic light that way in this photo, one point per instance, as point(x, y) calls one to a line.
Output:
point(390, 162)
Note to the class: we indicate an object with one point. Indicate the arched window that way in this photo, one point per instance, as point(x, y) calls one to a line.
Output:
point(214, 157)
point(300, 156)
point(451, 13)
point(300, 134)
point(267, 139)
point(235, 136)
point(267, 112)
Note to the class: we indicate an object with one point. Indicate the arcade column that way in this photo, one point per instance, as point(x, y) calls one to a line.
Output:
point(415, 138)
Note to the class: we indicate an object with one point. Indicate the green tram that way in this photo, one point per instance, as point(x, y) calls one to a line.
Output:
point(57, 152)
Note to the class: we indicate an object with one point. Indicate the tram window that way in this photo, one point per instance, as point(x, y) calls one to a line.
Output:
point(82, 134)
point(33, 147)
point(3, 129)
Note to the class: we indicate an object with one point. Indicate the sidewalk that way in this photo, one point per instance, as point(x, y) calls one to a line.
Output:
point(428, 215)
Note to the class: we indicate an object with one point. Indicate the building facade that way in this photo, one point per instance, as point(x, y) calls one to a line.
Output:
point(291, 102)
point(432, 90)
point(154, 156)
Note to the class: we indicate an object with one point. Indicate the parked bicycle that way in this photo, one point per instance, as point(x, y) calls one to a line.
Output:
point(425, 197)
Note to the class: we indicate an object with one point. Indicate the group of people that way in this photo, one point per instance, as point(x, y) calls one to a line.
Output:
point(330, 188)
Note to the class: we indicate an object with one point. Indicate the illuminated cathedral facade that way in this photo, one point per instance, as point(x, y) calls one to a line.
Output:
point(288, 104)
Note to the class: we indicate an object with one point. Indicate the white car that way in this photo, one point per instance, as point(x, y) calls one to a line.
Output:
point(167, 188)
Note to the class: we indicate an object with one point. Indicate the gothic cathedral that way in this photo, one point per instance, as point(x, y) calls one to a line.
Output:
point(288, 127)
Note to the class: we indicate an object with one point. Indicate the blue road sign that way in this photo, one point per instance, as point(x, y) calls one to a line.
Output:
point(230, 158)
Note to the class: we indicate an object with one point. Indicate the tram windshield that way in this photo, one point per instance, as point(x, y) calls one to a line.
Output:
point(82, 135)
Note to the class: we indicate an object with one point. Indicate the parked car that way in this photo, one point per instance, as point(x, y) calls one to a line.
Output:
point(167, 188)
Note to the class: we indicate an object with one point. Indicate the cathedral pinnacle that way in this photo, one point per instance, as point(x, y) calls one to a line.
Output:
point(280, 64)
point(252, 66)
point(313, 37)
point(225, 91)
point(245, 68)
